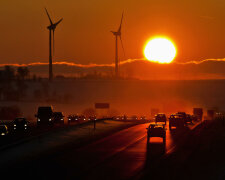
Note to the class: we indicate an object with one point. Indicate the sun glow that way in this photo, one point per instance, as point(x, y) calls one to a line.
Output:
point(160, 50)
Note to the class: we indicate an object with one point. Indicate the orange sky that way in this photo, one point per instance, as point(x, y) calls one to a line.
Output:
point(197, 28)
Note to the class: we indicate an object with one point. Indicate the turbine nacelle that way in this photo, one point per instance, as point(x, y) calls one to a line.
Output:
point(118, 33)
point(51, 27)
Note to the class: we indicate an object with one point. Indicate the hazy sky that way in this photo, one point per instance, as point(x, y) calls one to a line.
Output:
point(197, 27)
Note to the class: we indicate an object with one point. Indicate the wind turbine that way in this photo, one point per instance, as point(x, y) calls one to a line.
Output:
point(116, 34)
point(51, 29)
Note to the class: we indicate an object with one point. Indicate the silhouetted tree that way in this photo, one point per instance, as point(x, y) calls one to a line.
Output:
point(9, 73)
point(22, 72)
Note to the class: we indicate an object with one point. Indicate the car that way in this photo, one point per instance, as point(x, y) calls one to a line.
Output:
point(134, 117)
point(142, 118)
point(20, 124)
point(156, 130)
point(58, 118)
point(118, 118)
point(184, 116)
point(44, 115)
point(176, 120)
point(92, 118)
point(81, 118)
point(189, 118)
point(72, 118)
point(160, 117)
point(3, 130)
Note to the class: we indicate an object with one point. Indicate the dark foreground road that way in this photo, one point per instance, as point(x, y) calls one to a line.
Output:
point(123, 155)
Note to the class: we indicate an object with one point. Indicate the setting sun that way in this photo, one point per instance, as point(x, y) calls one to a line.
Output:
point(160, 50)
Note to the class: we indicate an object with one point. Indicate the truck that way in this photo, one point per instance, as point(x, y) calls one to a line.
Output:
point(44, 115)
point(198, 113)
point(176, 120)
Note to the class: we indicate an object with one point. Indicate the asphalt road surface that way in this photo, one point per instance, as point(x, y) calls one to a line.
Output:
point(123, 155)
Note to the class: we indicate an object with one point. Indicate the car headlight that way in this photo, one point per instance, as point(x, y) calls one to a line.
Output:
point(69, 119)
point(25, 125)
point(89, 119)
point(3, 134)
point(84, 119)
point(76, 119)
point(50, 119)
point(39, 119)
point(61, 119)
point(14, 125)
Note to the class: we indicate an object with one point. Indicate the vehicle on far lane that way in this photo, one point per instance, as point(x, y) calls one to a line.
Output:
point(176, 120)
point(58, 118)
point(44, 116)
point(134, 117)
point(189, 118)
point(72, 118)
point(20, 124)
point(156, 130)
point(81, 118)
point(143, 118)
point(160, 117)
point(183, 115)
point(118, 118)
point(3, 130)
point(92, 118)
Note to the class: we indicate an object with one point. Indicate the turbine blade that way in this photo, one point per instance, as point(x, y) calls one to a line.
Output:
point(122, 46)
point(58, 22)
point(48, 16)
point(119, 30)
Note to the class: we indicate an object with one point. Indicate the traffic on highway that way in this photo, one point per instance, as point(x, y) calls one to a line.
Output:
point(125, 153)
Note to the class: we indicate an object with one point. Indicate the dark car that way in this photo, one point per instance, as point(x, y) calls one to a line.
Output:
point(58, 118)
point(156, 130)
point(143, 118)
point(81, 118)
point(189, 118)
point(118, 118)
point(160, 117)
point(183, 115)
point(176, 120)
point(72, 118)
point(44, 116)
point(92, 118)
point(20, 124)
point(3, 130)
point(134, 117)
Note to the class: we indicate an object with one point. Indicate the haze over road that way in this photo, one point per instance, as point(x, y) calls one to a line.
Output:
point(122, 155)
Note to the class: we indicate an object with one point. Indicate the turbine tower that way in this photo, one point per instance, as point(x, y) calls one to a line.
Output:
point(116, 34)
point(51, 29)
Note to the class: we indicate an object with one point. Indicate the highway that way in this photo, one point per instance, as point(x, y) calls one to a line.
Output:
point(123, 155)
